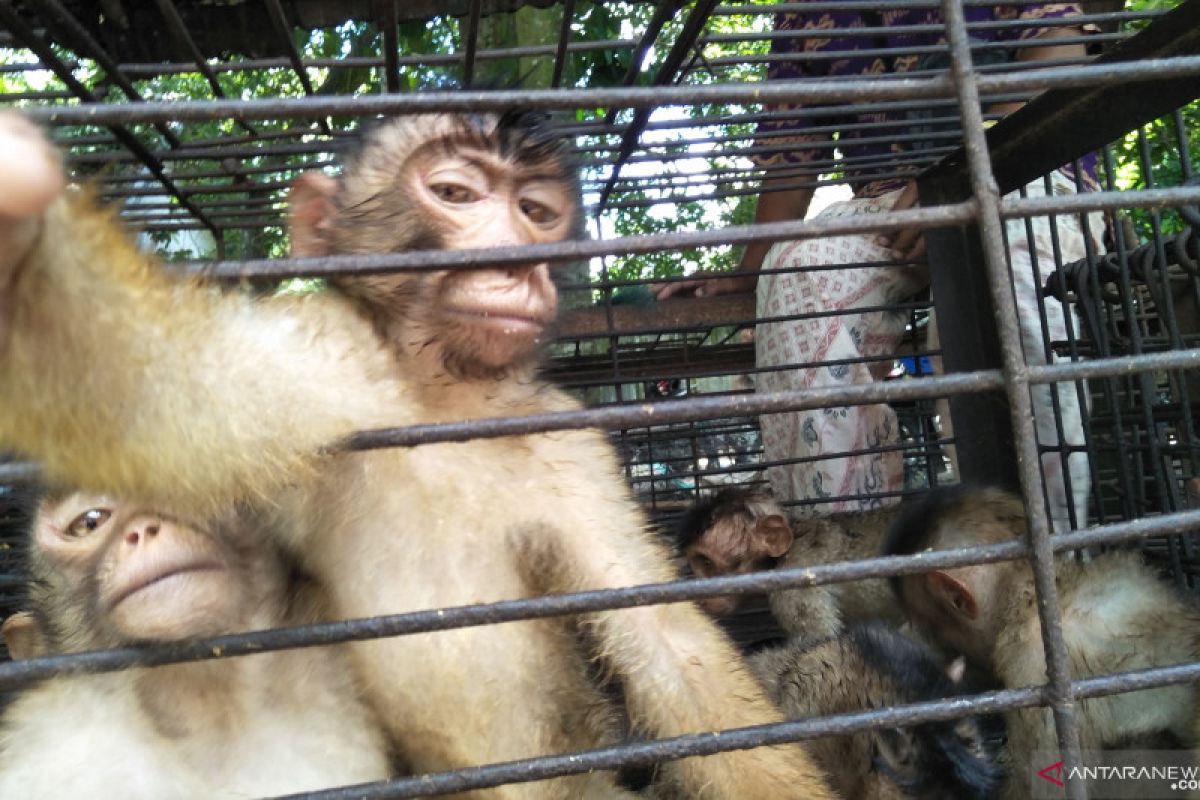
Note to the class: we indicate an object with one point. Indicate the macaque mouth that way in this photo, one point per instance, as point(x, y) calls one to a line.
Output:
point(154, 577)
point(507, 321)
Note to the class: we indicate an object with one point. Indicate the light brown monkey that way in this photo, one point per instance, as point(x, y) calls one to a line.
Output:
point(107, 574)
point(737, 532)
point(874, 666)
point(1117, 616)
point(118, 377)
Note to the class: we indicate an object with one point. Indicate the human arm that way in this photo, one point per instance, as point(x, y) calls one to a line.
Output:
point(908, 243)
point(774, 205)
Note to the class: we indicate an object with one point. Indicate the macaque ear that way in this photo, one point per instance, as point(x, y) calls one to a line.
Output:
point(952, 593)
point(775, 535)
point(23, 637)
point(310, 213)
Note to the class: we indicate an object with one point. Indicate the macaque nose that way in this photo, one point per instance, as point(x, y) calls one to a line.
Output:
point(139, 530)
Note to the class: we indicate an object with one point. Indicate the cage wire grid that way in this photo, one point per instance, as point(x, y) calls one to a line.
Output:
point(672, 381)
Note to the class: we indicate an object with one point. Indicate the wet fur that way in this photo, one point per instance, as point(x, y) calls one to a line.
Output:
point(873, 666)
point(1117, 615)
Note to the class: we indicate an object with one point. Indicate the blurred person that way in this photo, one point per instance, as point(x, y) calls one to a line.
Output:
point(854, 347)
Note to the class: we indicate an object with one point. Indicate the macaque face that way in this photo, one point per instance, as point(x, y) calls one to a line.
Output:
point(474, 198)
point(119, 572)
point(447, 183)
point(728, 547)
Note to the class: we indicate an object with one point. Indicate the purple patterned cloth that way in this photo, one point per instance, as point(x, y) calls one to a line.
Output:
point(912, 37)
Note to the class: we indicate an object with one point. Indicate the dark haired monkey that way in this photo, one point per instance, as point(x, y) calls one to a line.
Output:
point(738, 532)
point(873, 666)
point(118, 377)
point(108, 574)
point(1117, 615)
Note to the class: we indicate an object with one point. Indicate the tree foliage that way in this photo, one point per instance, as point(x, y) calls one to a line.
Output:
point(707, 183)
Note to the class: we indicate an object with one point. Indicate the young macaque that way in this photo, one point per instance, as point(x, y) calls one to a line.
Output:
point(738, 532)
point(873, 666)
point(118, 377)
point(1117, 615)
point(107, 574)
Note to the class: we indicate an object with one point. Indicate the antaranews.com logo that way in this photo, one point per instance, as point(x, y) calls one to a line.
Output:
point(1121, 775)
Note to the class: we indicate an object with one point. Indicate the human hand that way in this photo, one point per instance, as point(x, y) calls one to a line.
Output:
point(705, 284)
point(905, 244)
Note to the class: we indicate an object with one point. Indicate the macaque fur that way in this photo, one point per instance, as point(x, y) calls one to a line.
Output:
point(738, 532)
point(106, 574)
point(1117, 615)
point(874, 666)
point(117, 377)
point(827, 668)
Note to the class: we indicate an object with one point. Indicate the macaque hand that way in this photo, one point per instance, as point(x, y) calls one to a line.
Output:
point(31, 177)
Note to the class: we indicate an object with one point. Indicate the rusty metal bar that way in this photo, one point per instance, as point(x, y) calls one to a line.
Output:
point(1062, 125)
point(284, 31)
point(564, 40)
point(385, 13)
point(41, 48)
point(855, 5)
point(665, 412)
point(175, 22)
point(812, 92)
point(666, 74)
point(1016, 24)
point(425, 260)
point(991, 237)
point(743, 738)
point(95, 51)
point(418, 60)
point(663, 11)
point(470, 43)
point(19, 673)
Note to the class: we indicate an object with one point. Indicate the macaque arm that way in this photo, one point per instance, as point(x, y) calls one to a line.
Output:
point(810, 613)
point(680, 673)
point(120, 378)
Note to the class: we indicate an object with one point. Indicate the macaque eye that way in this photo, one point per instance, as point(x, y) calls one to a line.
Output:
point(705, 565)
point(454, 193)
point(88, 522)
point(539, 213)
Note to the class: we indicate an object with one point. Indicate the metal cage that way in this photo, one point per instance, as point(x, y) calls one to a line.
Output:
point(669, 126)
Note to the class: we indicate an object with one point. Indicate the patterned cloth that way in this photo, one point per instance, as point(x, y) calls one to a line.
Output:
point(832, 333)
point(911, 39)
point(837, 327)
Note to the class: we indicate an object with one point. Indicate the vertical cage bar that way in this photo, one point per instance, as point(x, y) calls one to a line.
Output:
point(470, 42)
point(991, 230)
point(564, 38)
point(388, 21)
point(41, 48)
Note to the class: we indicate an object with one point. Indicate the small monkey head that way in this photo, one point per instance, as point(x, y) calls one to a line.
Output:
point(941, 760)
point(448, 182)
point(962, 608)
point(733, 533)
point(107, 573)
